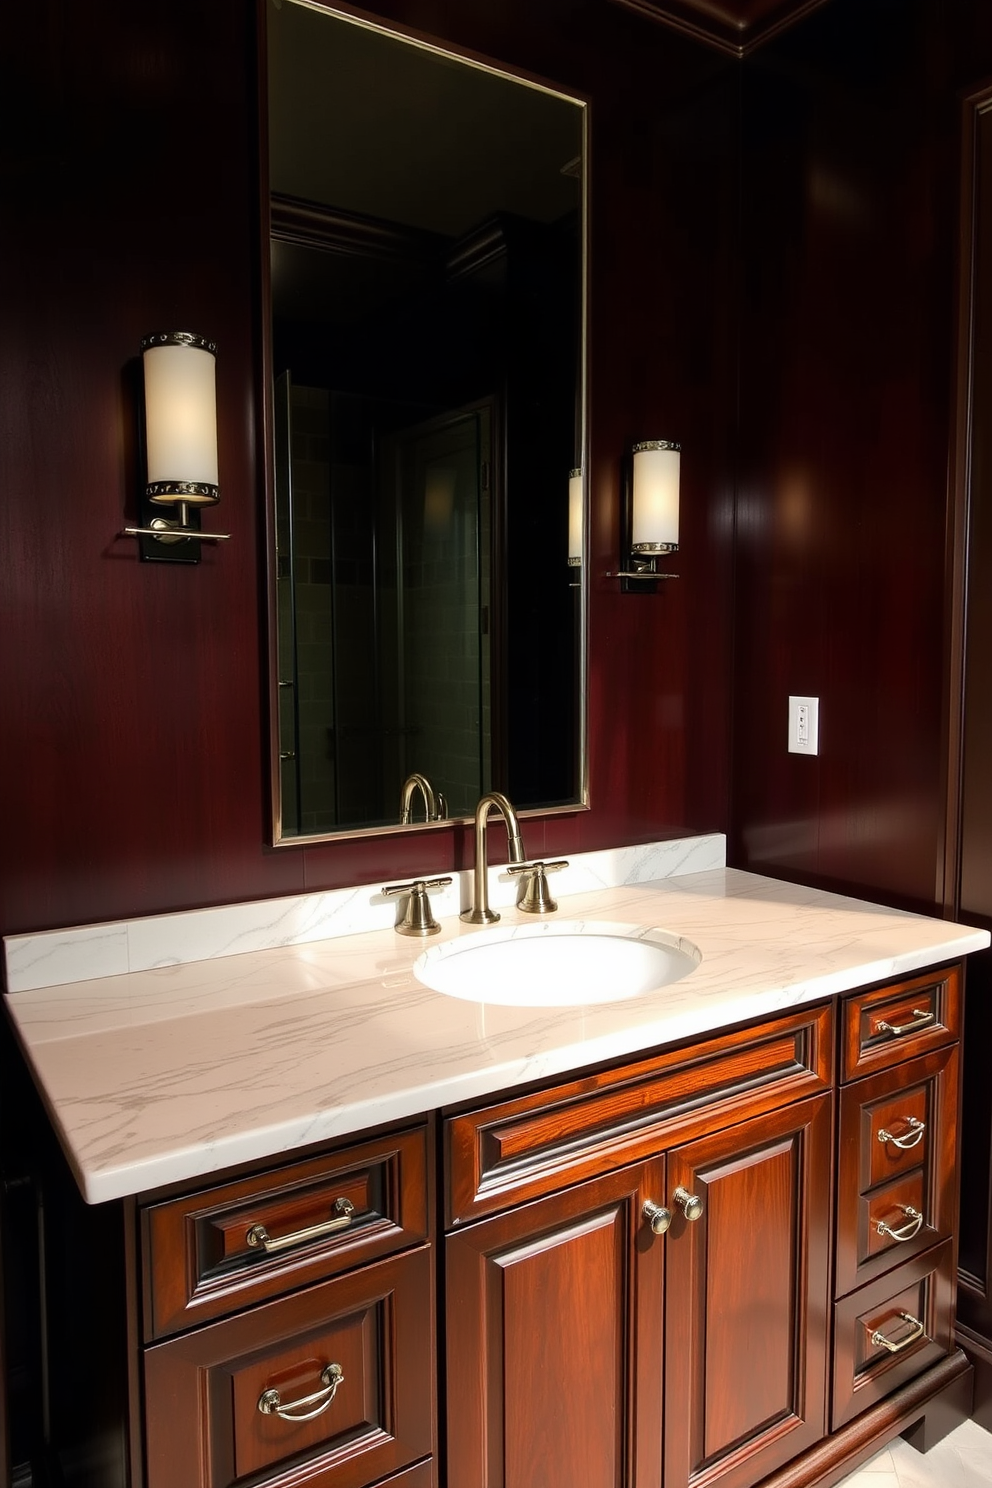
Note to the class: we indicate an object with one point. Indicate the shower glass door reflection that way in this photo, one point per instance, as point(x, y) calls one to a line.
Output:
point(384, 552)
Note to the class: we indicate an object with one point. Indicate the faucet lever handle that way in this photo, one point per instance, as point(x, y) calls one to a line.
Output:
point(417, 918)
point(536, 897)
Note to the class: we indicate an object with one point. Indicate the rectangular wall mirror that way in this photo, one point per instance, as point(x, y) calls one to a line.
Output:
point(427, 277)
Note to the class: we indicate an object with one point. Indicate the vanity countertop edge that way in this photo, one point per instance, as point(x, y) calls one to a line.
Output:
point(168, 1075)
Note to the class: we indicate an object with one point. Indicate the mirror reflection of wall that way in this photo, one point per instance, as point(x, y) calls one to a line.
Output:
point(426, 285)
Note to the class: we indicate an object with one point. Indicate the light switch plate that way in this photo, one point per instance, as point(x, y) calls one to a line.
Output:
point(804, 725)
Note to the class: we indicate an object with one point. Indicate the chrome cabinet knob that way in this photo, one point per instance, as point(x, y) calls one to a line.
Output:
point(658, 1217)
point(692, 1204)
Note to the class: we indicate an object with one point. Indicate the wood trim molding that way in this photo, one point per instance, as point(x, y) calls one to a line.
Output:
point(477, 249)
point(733, 26)
point(973, 1344)
point(314, 225)
point(948, 889)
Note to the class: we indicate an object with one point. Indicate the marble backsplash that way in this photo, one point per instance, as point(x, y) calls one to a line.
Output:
point(79, 954)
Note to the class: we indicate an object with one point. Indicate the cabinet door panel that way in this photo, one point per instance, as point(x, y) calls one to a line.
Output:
point(554, 1341)
point(747, 1288)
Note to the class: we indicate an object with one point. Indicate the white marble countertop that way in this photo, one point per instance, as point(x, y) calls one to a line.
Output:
point(163, 1075)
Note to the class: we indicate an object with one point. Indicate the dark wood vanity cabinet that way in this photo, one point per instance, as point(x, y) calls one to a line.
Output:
point(897, 1192)
point(745, 1327)
point(724, 1264)
point(613, 1355)
point(288, 1325)
point(553, 1339)
point(566, 1315)
point(805, 1279)
point(330, 1386)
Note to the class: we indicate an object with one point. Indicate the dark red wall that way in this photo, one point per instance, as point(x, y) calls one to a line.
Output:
point(850, 199)
point(133, 775)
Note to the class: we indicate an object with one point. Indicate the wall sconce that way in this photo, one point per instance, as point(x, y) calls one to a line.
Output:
point(575, 523)
point(180, 446)
point(650, 519)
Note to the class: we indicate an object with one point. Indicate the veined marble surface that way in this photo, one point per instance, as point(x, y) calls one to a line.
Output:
point(167, 1074)
point(85, 952)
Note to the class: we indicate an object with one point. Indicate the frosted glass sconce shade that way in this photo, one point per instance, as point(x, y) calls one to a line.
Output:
point(655, 497)
point(180, 447)
point(575, 514)
point(649, 520)
point(180, 419)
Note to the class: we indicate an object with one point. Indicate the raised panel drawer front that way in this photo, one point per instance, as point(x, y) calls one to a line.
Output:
point(896, 1194)
point(522, 1148)
point(889, 1024)
point(328, 1388)
point(890, 1330)
point(554, 1340)
point(238, 1243)
point(747, 1297)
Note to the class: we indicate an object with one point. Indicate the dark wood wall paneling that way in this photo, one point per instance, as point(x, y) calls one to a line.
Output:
point(850, 179)
point(132, 727)
point(973, 886)
point(975, 883)
point(134, 776)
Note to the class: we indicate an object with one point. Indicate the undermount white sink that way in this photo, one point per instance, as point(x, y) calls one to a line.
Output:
point(557, 963)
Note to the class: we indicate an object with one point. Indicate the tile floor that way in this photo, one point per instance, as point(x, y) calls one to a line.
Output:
point(962, 1460)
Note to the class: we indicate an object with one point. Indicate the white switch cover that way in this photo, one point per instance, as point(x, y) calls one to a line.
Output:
point(804, 725)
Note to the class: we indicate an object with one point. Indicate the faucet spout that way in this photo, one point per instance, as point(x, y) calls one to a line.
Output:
point(480, 913)
point(411, 784)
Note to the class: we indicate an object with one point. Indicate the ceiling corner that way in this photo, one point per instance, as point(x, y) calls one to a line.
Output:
point(735, 27)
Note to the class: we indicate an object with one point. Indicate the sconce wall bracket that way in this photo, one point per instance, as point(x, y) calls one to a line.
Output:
point(159, 541)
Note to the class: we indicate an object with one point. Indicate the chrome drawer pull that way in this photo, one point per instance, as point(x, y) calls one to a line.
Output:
point(880, 1340)
point(657, 1217)
point(270, 1403)
point(920, 1020)
point(259, 1235)
point(906, 1231)
point(913, 1137)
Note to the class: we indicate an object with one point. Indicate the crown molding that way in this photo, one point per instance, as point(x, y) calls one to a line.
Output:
point(734, 26)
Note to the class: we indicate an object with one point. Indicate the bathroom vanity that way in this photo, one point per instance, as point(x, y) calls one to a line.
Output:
point(361, 1233)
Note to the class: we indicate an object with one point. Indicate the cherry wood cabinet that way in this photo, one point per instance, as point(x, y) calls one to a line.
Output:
point(795, 1311)
point(563, 1349)
point(712, 1266)
point(287, 1319)
point(229, 1246)
point(897, 1190)
point(554, 1339)
point(746, 1331)
point(329, 1387)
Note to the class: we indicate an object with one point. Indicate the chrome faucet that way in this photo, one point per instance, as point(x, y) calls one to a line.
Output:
point(434, 804)
point(480, 913)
